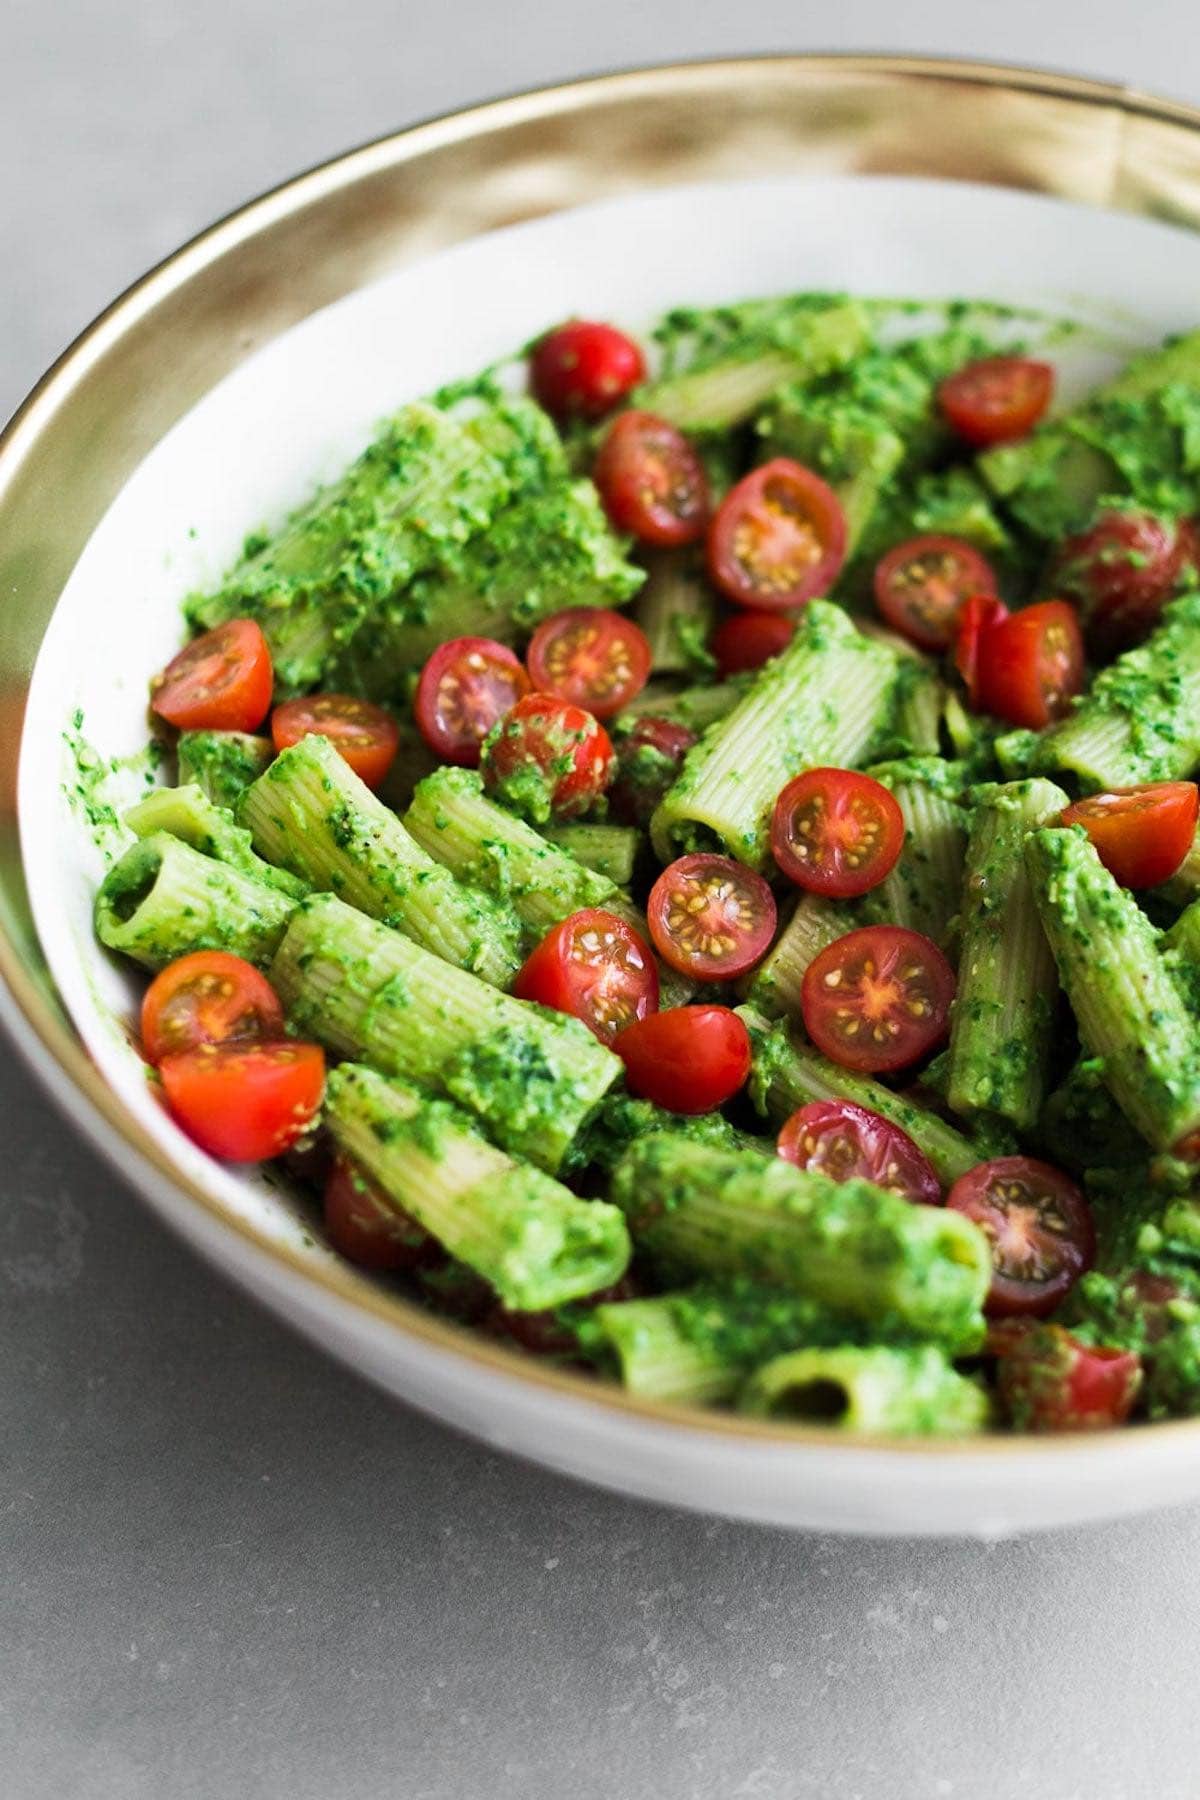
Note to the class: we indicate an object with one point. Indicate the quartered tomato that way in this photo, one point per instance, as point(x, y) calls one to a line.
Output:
point(749, 639)
point(364, 735)
point(710, 916)
point(648, 760)
point(1030, 665)
point(368, 1228)
point(595, 966)
point(547, 758)
point(778, 538)
point(209, 997)
point(997, 398)
point(979, 613)
point(245, 1102)
point(922, 585)
point(591, 656)
point(1123, 571)
point(1049, 1381)
point(584, 368)
point(651, 481)
point(1039, 1227)
point(836, 832)
point(1141, 834)
point(689, 1059)
point(467, 685)
point(848, 1142)
point(220, 682)
point(878, 998)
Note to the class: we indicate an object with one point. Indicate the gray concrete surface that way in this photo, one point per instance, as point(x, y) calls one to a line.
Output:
point(226, 1567)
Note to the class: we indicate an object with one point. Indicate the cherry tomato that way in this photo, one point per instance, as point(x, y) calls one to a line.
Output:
point(1049, 1381)
point(749, 639)
point(923, 584)
point(368, 1228)
point(1123, 571)
point(836, 832)
point(1030, 665)
point(1141, 834)
point(590, 656)
point(778, 537)
point(651, 481)
point(209, 997)
point(595, 966)
point(878, 998)
point(689, 1059)
point(547, 758)
point(362, 734)
point(849, 1142)
point(467, 685)
point(979, 613)
point(245, 1102)
point(997, 398)
point(710, 916)
point(221, 681)
point(583, 369)
point(1039, 1227)
point(648, 760)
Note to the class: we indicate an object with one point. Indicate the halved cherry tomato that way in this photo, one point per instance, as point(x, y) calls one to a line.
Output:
point(368, 1228)
point(1123, 571)
point(596, 967)
point(979, 613)
point(1141, 834)
point(836, 832)
point(467, 685)
point(848, 1142)
point(590, 656)
point(689, 1059)
point(651, 481)
point(923, 584)
point(583, 368)
point(778, 537)
point(997, 398)
point(878, 998)
point(1039, 1227)
point(751, 638)
point(1030, 665)
point(245, 1102)
point(221, 681)
point(648, 760)
point(547, 758)
point(711, 917)
point(364, 735)
point(209, 997)
point(1049, 1381)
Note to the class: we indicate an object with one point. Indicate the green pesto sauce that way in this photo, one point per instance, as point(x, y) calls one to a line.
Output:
point(99, 788)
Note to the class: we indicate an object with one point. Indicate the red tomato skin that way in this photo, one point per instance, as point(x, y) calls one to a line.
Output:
point(221, 681)
point(745, 910)
point(368, 1229)
point(583, 369)
point(980, 612)
point(1075, 1245)
point(1049, 1381)
point(688, 1059)
point(1123, 570)
point(597, 633)
point(889, 946)
point(207, 997)
point(245, 1103)
point(997, 398)
point(1013, 682)
point(364, 735)
point(497, 680)
point(1141, 835)
point(555, 975)
point(928, 617)
point(651, 481)
point(755, 498)
point(540, 733)
point(840, 795)
point(749, 639)
point(648, 760)
point(847, 1141)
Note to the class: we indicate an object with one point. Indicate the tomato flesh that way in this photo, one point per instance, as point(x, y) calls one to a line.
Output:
point(221, 681)
point(596, 967)
point(710, 916)
point(1049, 1381)
point(778, 537)
point(1030, 665)
point(849, 1142)
point(922, 585)
point(547, 759)
point(584, 368)
point(590, 656)
point(1039, 1227)
point(979, 613)
point(648, 760)
point(689, 1059)
point(1123, 571)
point(245, 1103)
point(997, 398)
point(651, 481)
point(878, 998)
point(209, 997)
point(466, 687)
point(749, 639)
point(368, 1228)
point(1141, 835)
point(364, 735)
point(836, 832)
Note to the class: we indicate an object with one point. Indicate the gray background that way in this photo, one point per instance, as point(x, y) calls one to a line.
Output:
point(226, 1567)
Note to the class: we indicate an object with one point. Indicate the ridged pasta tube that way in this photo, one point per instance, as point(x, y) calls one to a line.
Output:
point(163, 899)
point(913, 1392)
